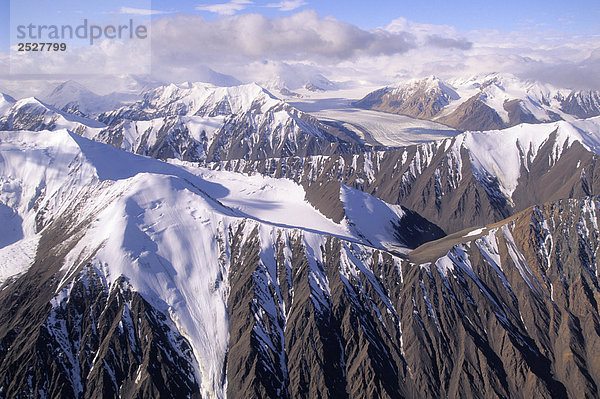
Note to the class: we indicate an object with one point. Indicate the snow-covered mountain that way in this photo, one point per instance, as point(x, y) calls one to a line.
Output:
point(6, 102)
point(74, 98)
point(33, 114)
point(208, 75)
point(196, 99)
point(43, 171)
point(208, 124)
point(319, 82)
point(418, 98)
point(279, 87)
point(484, 102)
point(124, 275)
point(277, 256)
point(215, 123)
point(293, 85)
point(581, 103)
point(195, 122)
point(86, 213)
point(472, 179)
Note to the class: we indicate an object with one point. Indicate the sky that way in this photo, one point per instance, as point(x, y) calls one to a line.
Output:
point(570, 16)
point(291, 41)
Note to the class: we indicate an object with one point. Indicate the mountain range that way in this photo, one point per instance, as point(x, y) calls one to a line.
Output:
point(195, 122)
point(215, 241)
point(483, 102)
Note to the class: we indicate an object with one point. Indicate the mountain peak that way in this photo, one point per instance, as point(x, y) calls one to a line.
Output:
point(74, 98)
point(6, 102)
point(32, 101)
point(7, 98)
point(419, 98)
point(70, 86)
point(31, 113)
point(427, 84)
point(484, 101)
point(201, 98)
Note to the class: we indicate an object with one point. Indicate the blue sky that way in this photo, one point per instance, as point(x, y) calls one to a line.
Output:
point(574, 16)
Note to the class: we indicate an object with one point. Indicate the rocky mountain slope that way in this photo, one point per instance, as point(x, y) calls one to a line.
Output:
point(537, 275)
point(129, 261)
point(33, 114)
point(420, 98)
point(473, 179)
point(215, 123)
point(6, 102)
point(275, 256)
point(195, 122)
point(147, 279)
point(483, 102)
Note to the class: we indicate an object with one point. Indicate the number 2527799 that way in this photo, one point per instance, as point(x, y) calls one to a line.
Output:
point(41, 46)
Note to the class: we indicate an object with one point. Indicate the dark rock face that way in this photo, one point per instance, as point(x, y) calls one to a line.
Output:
point(427, 99)
point(473, 114)
point(537, 275)
point(516, 113)
point(507, 312)
point(314, 336)
point(373, 99)
point(424, 99)
point(414, 230)
point(95, 342)
point(583, 104)
point(424, 102)
point(440, 184)
point(325, 196)
point(410, 231)
point(511, 314)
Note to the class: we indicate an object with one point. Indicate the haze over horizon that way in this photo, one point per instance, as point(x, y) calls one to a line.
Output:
point(356, 44)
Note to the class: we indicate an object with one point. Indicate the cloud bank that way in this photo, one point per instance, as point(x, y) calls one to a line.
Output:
point(303, 36)
point(254, 47)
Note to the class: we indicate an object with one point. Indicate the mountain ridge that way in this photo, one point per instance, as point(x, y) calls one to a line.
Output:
point(483, 102)
point(496, 304)
point(217, 242)
point(472, 179)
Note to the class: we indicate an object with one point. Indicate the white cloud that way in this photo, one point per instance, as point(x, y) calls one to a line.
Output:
point(229, 8)
point(448, 42)
point(287, 5)
point(142, 11)
point(421, 30)
point(253, 47)
point(303, 36)
point(108, 57)
point(532, 52)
